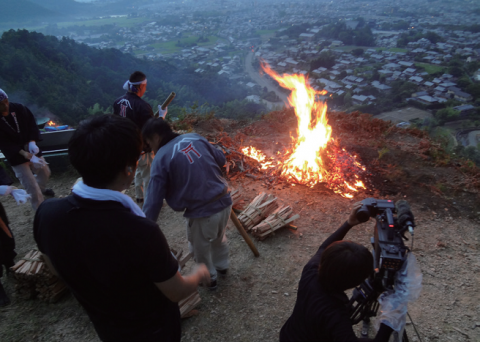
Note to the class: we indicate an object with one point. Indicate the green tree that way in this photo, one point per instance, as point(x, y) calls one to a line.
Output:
point(447, 114)
point(326, 60)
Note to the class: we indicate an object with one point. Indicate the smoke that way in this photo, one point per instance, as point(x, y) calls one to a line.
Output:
point(39, 112)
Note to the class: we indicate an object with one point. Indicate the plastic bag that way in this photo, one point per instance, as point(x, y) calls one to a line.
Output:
point(393, 303)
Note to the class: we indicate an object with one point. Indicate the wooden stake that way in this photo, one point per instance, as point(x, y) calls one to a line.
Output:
point(244, 234)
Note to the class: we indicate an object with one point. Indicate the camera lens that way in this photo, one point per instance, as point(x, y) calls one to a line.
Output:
point(363, 214)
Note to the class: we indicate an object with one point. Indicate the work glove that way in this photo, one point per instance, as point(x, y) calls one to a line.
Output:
point(6, 190)
point(162, 113)
point(33, 148)
point(20, 196)
point(38, 163)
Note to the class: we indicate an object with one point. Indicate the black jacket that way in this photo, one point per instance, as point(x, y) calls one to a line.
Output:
point(320, 315)
point(133, 107)
point(12, 141)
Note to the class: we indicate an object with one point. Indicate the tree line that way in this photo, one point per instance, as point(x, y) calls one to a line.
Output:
point(73, 80)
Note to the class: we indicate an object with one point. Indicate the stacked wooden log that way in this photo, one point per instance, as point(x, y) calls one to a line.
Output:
point(188, 305)
point(34, 279)
point(281, 217)
point(182, 260)
point(261, 206)
point(237, 199)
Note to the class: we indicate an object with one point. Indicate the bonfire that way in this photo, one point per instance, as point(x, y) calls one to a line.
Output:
point(315, 157)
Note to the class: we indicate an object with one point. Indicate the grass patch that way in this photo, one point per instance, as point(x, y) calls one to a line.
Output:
point(265, 32)
point(431, 68)
point(171, 46)
point(120, 21)
point(391, 49)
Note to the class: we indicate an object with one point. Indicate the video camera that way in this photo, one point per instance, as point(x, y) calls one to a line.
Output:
point(389, 252)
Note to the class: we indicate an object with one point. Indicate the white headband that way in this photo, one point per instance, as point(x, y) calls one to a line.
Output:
point(128, 84)
point(3, 95)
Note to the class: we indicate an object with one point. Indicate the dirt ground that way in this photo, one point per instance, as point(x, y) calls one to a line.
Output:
point(404, 114)
point(257, 296)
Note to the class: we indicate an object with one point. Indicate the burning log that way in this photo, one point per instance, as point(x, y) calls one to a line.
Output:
point(276, 220)
point(257, 210)
point(34, 279)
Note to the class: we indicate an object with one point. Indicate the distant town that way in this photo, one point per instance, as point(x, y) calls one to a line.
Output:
point(373, 56)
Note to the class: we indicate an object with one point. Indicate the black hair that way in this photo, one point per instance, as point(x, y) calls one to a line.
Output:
point(161, 127)
point(103, 146)
point(137, 76)
point(344, 265)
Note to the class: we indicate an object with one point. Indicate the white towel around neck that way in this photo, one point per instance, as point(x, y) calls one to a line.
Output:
point(83, 190)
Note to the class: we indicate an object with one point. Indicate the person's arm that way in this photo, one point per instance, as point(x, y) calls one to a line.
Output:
point(179, 287)
point(218, 155)
point(338, 235)
point(156, 192)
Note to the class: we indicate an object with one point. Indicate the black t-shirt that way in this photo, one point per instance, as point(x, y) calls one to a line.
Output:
point(110, 260)
point(320, 315)
point(15, 134)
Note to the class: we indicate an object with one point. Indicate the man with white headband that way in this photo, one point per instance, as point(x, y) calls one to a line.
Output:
point(139, 111)
point(18, 136)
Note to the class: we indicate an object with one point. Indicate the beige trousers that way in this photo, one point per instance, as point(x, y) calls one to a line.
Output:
point(208, 242)
point(34, 180)
point(142, 175)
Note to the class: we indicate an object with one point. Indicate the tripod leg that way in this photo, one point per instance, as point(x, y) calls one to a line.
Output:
point(365, 327)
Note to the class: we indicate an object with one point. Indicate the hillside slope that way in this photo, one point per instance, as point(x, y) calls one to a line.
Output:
point(24, 11)
point(258, 295)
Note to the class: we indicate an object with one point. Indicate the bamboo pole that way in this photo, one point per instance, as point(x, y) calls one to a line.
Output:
point(244, 234)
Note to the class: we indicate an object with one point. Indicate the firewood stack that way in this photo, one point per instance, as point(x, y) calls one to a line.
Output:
point(188, 305)
point(257, 210)
point(276, 220)
point(34, 279)
point(237, 199)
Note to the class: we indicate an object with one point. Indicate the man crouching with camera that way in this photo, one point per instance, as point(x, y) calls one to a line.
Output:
point(320, 312)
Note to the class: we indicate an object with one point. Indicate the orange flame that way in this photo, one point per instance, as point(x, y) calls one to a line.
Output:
point(51, 123)
point(252, 152)
point(304, 164)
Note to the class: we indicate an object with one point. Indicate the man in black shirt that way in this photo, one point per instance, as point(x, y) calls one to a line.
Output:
point(320, 312)
point(132, 106)
point(116, 262)
point(18, 134)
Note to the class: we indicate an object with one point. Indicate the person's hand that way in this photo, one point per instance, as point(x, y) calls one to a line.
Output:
point(6, 190)
point(33, 148)
point(201, 271)
point(26, 155)
point(352, 219)
point(162, 113)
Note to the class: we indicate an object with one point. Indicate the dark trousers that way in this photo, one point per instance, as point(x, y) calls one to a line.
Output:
point(7, 243)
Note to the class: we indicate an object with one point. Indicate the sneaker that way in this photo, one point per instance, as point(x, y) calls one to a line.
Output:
point(211, 287)
point(4, 300)
point(49, 193)
point(222, 272)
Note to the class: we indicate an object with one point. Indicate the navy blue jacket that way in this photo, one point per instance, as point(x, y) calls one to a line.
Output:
point(187, 173)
